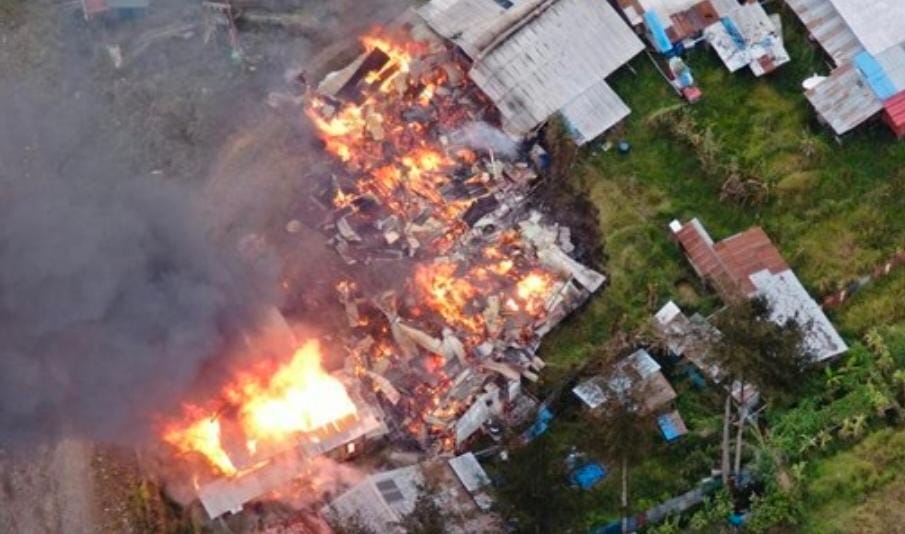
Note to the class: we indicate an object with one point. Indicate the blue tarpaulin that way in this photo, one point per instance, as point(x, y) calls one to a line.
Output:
point(544, 416)
point(657, 32)
point(668, 428)
point(734, 32)
point(876, 77)
point(588, 475)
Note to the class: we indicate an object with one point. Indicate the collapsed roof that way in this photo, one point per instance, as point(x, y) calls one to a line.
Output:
point(638, 372)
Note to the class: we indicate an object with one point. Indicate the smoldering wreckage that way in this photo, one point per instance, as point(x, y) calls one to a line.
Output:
point(435, 359)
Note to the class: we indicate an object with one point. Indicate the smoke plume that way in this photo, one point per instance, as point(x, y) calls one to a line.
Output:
point(113, 294)
point(479, 135)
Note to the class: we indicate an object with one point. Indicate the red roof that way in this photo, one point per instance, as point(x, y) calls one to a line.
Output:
point(729, 264)
point(894, 113)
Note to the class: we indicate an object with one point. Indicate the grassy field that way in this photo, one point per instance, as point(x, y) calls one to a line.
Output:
point(860, 490)
point(833, 210)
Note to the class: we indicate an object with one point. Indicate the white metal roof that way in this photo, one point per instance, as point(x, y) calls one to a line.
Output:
point(382, 499)
point(469, 472)
point(593, 112)
point(474, 24)
point(553, 59)
point(790, 300)
point(878, 24)
point(893, 62)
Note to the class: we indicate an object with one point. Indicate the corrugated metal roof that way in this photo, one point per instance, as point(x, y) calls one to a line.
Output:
point(875, 76)
point(698, 246)
point(229, 495)
point(844, 100)
point(729, 263)
point(474, 24)
point(469, 472)
point(878, 24)
point(747, 253)
point(894, 109)
point(552, 60)
point(893, 63)
point(593, 112)
point(790, 300)
point(752, 261)
point(828, 27)
point(382, 499)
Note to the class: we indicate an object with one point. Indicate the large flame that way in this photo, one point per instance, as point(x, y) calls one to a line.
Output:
point(299, 396)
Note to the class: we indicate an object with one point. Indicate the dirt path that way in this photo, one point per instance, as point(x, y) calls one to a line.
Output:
point(50, 492)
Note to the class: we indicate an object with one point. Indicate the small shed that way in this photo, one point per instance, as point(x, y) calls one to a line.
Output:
point(894, 114)
point(672, 426)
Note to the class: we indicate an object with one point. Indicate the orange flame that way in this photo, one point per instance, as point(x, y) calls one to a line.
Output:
point(300, 396)
point(203, 437)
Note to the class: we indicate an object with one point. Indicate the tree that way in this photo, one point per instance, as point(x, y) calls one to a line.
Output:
point(754, 350)
point(532, 489)
point(621, 431)
point(427, 517)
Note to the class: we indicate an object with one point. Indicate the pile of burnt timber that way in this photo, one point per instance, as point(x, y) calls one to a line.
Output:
point(481, 277)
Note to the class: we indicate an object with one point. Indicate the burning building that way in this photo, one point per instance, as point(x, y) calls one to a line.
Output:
point(435, 351)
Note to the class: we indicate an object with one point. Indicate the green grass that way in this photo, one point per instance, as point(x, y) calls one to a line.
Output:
point(834, 212)
point(860, 490)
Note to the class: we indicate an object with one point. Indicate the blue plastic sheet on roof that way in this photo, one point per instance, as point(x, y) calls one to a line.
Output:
point(668, 428)
point(657, 32)
point(734, 33)
point(588, 475)
point(876, 77)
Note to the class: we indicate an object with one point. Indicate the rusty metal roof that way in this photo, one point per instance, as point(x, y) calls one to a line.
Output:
point(729, 264)
point(844, 100)
point(825, 23)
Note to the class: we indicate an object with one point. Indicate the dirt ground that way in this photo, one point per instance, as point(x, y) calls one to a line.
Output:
point(50, 492)
point(184, 105)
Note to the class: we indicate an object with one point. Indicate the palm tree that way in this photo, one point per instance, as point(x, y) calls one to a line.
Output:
point(622, 430)
point(755, 351)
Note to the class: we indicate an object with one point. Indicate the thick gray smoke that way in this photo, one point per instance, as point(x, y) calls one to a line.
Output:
point(113, 295)
point(116, 298)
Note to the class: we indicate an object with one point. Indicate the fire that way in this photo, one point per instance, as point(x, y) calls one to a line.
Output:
point(203, 437)
point(299, 396)
point(533, 290)
point(448, 294)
